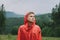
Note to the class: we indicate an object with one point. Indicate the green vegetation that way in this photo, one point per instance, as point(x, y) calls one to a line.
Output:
point(8, 37)
point(2, 19)
point(14, 37)
point(49, 23)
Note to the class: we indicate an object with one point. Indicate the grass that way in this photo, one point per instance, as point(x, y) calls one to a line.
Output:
point(7, 37)
point(13, 37)
point(51, 38)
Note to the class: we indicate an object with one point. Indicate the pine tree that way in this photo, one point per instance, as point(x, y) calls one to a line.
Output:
point(56, 18)
point(2, 19)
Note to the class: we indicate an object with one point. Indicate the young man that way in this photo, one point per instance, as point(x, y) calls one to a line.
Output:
point(29, 31)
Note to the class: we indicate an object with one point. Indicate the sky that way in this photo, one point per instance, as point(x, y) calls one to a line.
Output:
point(23, 6)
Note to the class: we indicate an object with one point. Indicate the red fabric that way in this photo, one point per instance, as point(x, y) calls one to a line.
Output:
point(29, 33)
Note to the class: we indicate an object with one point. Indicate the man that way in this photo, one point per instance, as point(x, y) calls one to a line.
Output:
point(29, 30)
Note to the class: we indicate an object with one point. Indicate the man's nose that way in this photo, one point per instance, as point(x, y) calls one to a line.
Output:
point(33, 18)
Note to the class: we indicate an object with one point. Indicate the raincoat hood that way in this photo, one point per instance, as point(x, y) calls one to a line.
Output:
point(26, 22)
point(25, 19)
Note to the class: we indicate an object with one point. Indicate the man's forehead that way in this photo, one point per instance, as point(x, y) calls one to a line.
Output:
point(32, 15)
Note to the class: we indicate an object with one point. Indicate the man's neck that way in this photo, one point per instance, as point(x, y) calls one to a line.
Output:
point(29, 24)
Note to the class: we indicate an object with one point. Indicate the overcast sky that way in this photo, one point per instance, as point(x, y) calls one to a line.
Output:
point(24, 6)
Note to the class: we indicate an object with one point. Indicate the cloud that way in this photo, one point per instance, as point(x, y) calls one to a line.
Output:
point(23, 6)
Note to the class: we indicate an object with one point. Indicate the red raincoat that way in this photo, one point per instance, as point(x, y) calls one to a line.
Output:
point(29, 33)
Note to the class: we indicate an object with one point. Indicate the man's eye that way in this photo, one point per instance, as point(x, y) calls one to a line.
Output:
point(30, 16)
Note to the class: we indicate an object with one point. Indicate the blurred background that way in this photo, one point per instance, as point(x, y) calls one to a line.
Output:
point(47, 17)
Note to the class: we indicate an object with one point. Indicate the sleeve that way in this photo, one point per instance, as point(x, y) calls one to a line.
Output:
point(39, 35)
point(19, 33)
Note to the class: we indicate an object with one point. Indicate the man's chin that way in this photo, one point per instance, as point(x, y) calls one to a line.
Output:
point(30, 21)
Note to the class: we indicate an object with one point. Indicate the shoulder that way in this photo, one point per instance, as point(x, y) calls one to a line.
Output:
point(38, 27)
point(21, 27)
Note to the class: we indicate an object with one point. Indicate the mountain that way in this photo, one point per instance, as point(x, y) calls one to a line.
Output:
point(43, 19)
point(46, 18)
point(12, 15)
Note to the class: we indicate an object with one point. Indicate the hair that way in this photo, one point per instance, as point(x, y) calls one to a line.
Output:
point(30, 13)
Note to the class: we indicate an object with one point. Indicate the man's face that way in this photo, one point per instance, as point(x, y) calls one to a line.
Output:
point(31, 17)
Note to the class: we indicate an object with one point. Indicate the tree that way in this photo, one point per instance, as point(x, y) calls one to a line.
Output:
point(56, 18)
point(56, 14)
point(2, 19)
